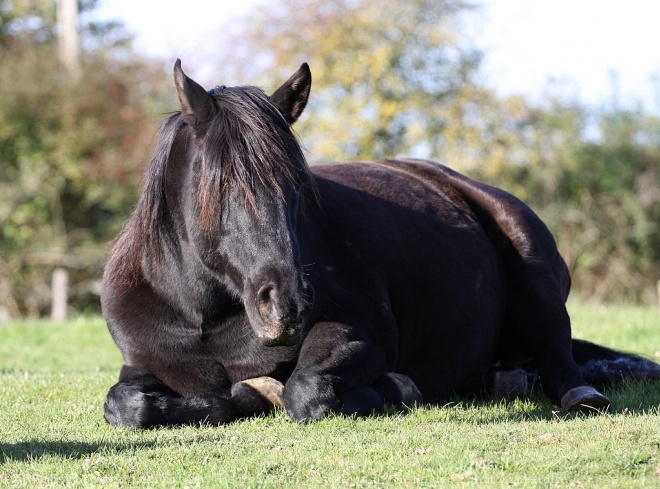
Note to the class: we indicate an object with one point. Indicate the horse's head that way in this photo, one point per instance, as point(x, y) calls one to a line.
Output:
point(248, 178)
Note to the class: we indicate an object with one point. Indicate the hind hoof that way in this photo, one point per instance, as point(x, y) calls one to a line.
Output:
point(410, 394)
point(584, 399)
point(507, 384)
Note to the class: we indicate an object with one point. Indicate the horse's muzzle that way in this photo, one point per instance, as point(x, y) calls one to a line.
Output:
point(281, 318)
point(290, 338)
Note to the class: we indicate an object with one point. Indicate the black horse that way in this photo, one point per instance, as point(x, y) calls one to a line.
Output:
point(244, 280)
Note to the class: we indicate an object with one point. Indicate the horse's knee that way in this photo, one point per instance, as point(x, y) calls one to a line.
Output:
point(308, 397)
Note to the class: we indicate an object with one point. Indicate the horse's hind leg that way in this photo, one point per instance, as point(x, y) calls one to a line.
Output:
point(140, 400)
point(537, 312)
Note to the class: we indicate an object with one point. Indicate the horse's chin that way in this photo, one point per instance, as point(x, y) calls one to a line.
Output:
point(279, 335)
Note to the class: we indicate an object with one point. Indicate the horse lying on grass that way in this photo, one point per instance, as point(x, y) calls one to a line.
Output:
point(245, 279)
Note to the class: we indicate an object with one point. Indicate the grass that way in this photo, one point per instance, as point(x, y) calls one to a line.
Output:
point(53, 380)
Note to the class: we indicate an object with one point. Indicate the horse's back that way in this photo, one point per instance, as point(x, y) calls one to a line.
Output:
point(512, 227)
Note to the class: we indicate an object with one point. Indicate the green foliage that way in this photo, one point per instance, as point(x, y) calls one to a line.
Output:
point(386, 79)
point(611, 227)
point(54, 379)
point(394, 80)
point(598, 195)
point(398, 80)
point(72, 149)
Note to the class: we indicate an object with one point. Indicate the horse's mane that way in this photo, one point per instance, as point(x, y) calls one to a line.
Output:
point(248, 143)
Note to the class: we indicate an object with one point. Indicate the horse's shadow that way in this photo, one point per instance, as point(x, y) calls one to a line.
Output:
point(629, 398)
point(33, 450)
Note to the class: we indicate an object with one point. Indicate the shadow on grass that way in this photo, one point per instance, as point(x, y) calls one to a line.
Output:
point(630, 398)
point(30, 451)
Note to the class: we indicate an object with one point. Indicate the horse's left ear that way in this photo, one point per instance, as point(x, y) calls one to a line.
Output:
point(197, 106)
point(291, 98)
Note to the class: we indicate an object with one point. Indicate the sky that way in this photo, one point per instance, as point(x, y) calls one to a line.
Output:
point(593, 47)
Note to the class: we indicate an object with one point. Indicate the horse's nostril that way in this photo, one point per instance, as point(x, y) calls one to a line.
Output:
point(266, 294)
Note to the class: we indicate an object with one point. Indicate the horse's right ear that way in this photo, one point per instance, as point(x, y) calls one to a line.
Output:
point(197, 106)
point(291, 98)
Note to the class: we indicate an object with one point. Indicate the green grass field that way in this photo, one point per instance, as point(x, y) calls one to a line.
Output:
point(54, 378)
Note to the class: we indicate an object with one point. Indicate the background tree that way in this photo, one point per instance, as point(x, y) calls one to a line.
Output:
point(71, 151)
point(399, 80)
point(386, 77)
point(610, 225)
point(593, 177)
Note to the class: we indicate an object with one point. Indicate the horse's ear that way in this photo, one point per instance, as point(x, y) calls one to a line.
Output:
point(197, 106)
point(291, 98)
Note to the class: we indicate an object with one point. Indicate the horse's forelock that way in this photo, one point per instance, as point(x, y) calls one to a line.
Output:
point(248, 144)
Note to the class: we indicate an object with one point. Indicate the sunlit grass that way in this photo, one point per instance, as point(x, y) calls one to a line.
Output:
point(630, 328)
point(41, 345)
point(52, 434)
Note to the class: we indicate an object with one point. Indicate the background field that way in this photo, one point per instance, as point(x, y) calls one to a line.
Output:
point(53, 380)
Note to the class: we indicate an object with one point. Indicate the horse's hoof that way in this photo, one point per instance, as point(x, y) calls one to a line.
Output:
point(507, 384)
point(584, 399)
point(269, 388)
point(410, 394)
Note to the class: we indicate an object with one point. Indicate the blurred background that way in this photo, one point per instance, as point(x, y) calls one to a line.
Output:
point(555, 101)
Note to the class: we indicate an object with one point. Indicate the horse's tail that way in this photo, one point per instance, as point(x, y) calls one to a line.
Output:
point(601, 366)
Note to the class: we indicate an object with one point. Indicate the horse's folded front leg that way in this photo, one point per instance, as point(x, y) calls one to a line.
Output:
point(312, 397)
point(144, 402)
point(309, 397)
point(337, 370)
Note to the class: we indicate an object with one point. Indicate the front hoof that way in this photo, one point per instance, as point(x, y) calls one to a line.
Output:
point(269, 388)
point(584, 399)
